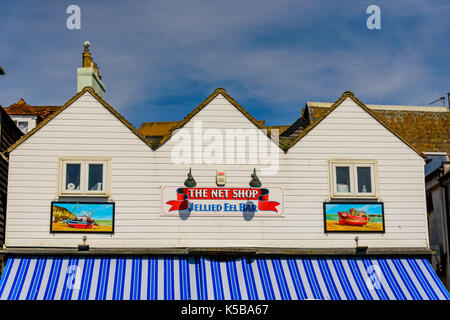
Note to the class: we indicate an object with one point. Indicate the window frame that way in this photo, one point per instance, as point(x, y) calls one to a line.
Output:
point(353, 170)
point(64, 177)
point(105, 167)
point(22, 121)
point(84, 176)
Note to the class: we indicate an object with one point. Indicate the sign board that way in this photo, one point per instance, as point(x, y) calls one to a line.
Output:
point(353, 217)
point(210, 201)
point(83, 217)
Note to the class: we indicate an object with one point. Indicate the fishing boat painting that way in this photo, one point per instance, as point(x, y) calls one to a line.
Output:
point(82, 217)
point(83, 222)
point(354, 217)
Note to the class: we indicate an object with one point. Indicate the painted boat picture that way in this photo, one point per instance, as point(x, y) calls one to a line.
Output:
point(84, 222)
point(354, 217)
point(82, 217)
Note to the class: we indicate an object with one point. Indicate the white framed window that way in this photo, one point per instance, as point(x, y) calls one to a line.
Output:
point(22, 125)
point(84, 177)
point(353, 179)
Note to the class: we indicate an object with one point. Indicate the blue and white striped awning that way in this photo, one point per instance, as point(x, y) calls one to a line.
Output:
point(195, 277)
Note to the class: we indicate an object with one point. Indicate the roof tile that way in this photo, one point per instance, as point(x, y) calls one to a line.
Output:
point(425, 130)
point(157, 129)
point(23, 108)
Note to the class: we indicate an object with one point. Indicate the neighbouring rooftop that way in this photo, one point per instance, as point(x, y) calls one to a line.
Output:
point(155, 131)
point(425, 128)
point(23, 108)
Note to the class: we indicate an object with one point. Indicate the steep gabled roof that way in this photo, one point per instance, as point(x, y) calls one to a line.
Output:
point(23, 108)
point(325, 113)
point(20, 108)
point(425, 128)
point(178, 125)
point(45, 111)
point(259, 124)
point(66, 105)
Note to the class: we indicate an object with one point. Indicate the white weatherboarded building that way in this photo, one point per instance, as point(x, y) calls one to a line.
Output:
point(214, 207)
point(87, 130)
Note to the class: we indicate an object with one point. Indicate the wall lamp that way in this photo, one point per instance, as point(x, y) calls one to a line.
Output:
point(360, 249)
point(190, 181)
point(255, 182)
point(84, 246)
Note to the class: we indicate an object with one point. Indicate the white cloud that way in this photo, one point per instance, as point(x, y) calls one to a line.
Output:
point(271, 56)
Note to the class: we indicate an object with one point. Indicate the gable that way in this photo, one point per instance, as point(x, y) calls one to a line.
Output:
point(349, 105)
point(219, 111)
point(426, 129)
point(221, 114)
point(84, 111)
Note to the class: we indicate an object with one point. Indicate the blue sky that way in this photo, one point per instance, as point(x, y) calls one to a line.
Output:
point(99, 211)
point(368, 208)
point(160, 59)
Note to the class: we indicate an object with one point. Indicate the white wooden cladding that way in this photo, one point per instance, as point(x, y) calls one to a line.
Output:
point(86, 128)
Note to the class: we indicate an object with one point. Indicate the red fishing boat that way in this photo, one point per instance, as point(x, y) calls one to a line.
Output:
point(353, 217)
point(85, 222)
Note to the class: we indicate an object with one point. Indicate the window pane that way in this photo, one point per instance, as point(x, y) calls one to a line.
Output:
point(343, 179)
point(73, 174)
point(364, 180)
point(95, 177)
point(23, 126)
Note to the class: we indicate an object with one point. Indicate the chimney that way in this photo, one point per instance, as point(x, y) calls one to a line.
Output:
point(88, 75)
